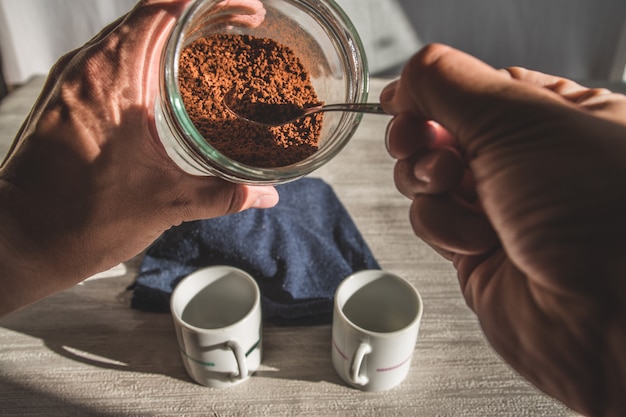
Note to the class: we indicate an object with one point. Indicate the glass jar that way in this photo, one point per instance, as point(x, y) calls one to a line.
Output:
point(320, 35)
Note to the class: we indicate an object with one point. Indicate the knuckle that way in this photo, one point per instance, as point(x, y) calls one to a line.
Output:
point(235, 199)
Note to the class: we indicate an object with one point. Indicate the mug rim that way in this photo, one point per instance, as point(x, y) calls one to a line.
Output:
point(378, 273)
point(177, 316)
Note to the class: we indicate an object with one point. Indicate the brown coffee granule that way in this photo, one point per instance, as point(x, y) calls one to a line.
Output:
point(261, 71)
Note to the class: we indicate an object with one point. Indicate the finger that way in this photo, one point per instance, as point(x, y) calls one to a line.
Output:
point(435, 171)
point(599, 100)
point(443, 253)
point(241, 6)
point(213, 197)
point(563, 86)
point(406, 135)
point(465, 266)
point(447, 223)
point(249, 13)
point(538, 78)
point(569, 89)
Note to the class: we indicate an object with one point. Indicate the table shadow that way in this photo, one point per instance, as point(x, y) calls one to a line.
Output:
point(93, 324)
point(15, 394)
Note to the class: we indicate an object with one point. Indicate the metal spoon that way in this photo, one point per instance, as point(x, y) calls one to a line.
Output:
point(271, 115)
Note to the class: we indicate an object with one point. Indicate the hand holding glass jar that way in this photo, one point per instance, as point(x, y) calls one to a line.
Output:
point(87, 183)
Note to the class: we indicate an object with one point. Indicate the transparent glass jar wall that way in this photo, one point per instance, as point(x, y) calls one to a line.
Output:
point(325, 41)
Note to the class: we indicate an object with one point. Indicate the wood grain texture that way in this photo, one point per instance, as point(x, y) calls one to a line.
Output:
point(84, 352)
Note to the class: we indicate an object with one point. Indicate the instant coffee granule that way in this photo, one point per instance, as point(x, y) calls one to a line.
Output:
point(261, 71)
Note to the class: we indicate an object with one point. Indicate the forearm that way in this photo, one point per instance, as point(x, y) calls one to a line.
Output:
point(25, 275)
point(15, 270)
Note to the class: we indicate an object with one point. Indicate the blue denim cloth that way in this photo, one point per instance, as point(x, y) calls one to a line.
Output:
point(298, 252)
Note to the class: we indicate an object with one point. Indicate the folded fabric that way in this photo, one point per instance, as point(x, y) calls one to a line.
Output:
point(298, 252)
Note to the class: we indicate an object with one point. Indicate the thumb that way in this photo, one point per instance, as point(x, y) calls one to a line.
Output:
point(213, 197)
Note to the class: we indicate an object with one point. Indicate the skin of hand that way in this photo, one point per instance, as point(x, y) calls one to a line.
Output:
point(517, 177)
point(87, 184)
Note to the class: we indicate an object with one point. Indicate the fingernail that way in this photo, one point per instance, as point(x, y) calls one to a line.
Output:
point(423, 168)
point(388, 92)
point(388, 133)
point(266, 201)
point(429, 132)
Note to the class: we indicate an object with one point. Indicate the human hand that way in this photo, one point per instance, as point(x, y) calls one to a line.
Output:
point(517, 178)
point(87, 183)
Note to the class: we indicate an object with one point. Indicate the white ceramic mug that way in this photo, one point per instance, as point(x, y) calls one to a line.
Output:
point(217, 317)
point(376, 320)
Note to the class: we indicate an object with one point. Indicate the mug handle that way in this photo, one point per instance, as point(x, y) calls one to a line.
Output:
point(240, 357)
point(357, 361)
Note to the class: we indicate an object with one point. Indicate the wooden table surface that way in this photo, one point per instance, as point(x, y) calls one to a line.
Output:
point(85, 352)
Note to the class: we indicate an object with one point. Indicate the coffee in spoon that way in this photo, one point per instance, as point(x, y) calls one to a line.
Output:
point(278, 114)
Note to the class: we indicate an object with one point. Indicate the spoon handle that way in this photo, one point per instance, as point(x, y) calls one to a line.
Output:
point(354, 107)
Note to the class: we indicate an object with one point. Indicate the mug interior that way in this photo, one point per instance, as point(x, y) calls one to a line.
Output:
point(214, 298)
point(380, 303)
